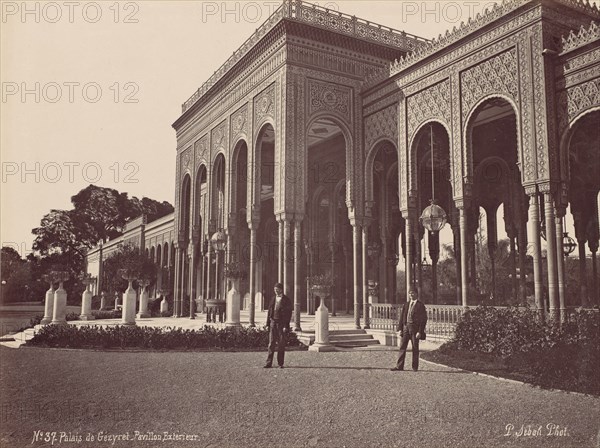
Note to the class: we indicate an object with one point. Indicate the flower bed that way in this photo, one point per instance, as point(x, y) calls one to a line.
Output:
point(69, 336)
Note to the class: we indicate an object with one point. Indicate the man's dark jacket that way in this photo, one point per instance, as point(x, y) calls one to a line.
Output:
point(285, 312)
point(419, 317)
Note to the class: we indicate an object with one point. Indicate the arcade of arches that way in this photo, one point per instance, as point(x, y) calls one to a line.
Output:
point(311, 153)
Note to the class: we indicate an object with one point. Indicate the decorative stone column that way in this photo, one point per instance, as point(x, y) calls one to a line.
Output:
point(551, 255)
point(408, 230)
point(59, 310)
point(365, 239)
point(49, 300)
point(560, 252)
point(129, 298)
point(356, 232)
point(233, 305)
point(464, 259)
point(252, 279)
point(176, 287)
point(533, 228)
point(86, 298)
point(102, 300)
point(321, 343)
point(297, 242)
point(143, 311)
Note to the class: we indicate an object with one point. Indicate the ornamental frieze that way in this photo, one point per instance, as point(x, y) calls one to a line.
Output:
point(201, 149)
point(218, 137)
point(578, 99)
point(497, 75)
point(382, 124)
point(433, 103)
point(186, 160)
point(264, 105)
point(239, 122)
point(329, 97)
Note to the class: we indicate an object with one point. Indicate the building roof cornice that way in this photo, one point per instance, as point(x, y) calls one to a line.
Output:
point(317, 16)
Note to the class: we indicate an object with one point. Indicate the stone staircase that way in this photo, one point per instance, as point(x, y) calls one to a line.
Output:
point(342, 338)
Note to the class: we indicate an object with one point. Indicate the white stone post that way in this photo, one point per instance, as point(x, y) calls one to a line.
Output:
point(60, 300)
point(129, 297)
point(86, 300)
point(49, 301)
point(102, 300)
point(321, 343)
point(233, 305)
point(143, 312)
point(164, 305)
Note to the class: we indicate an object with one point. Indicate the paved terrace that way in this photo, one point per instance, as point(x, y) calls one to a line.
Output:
point(347, 398)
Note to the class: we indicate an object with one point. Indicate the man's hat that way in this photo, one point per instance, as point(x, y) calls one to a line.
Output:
point(278, 285)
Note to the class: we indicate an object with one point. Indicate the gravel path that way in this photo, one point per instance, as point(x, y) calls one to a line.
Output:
point(343, 399)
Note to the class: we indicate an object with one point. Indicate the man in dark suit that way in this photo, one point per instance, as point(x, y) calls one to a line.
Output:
point(412, 328)
point(279, 315)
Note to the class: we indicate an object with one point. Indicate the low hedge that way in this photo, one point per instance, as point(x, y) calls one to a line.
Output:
point(157, 338)
point(558, 356)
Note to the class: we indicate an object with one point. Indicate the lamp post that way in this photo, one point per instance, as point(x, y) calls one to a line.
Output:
point(434, 217)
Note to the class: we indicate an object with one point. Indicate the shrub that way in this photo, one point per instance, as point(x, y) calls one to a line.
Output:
point(153, 338)
point(555, 355)
point(107, 314)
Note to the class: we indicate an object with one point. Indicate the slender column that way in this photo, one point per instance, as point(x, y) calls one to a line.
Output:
point(434, 254)
point(551, 256)
point(280, 251)
point(217, 262)
point(560, 263)
point(252, 272)
point(582, 273)
point(297, 242)
point(409, 253)
point(365, 239)
point(177, 286)
point(208, 271)
point(457, 254)
point(181, 282)
point(533, 227)
point(383, 278)
point(594, 298)
point(513, 269)
point(201, 278)
point(192, 279)
point(356, 232)
point(522, 243)
point(492, 237)
point(287, 274)
point(464, 266)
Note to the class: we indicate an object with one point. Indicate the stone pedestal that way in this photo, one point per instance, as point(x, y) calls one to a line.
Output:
point(233, 306)
point(86, 305)
point(118, 303)
point(143, 312)
point(102, 301)
point(129, 306)
point(164, 305)
point(48, 307)
point(60, 307)
point(321, 343)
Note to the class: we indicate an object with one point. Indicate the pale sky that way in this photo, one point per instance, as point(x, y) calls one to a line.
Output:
point(90, 89)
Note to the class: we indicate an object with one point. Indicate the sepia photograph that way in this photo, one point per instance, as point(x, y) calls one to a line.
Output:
point(336, 224)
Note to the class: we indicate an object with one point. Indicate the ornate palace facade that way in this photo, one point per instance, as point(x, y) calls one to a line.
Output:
point(315, 148)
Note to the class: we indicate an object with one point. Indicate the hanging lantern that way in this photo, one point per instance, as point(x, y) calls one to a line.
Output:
point(218, 240)
point(569, 244)
point(433, 218)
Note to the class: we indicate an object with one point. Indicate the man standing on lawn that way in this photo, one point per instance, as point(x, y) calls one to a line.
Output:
point(279, 315)
point(412, 328)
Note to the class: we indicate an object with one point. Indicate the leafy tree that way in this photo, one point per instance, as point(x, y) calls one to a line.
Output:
point(128, 258)
point(15, 276)
point(98, 213)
